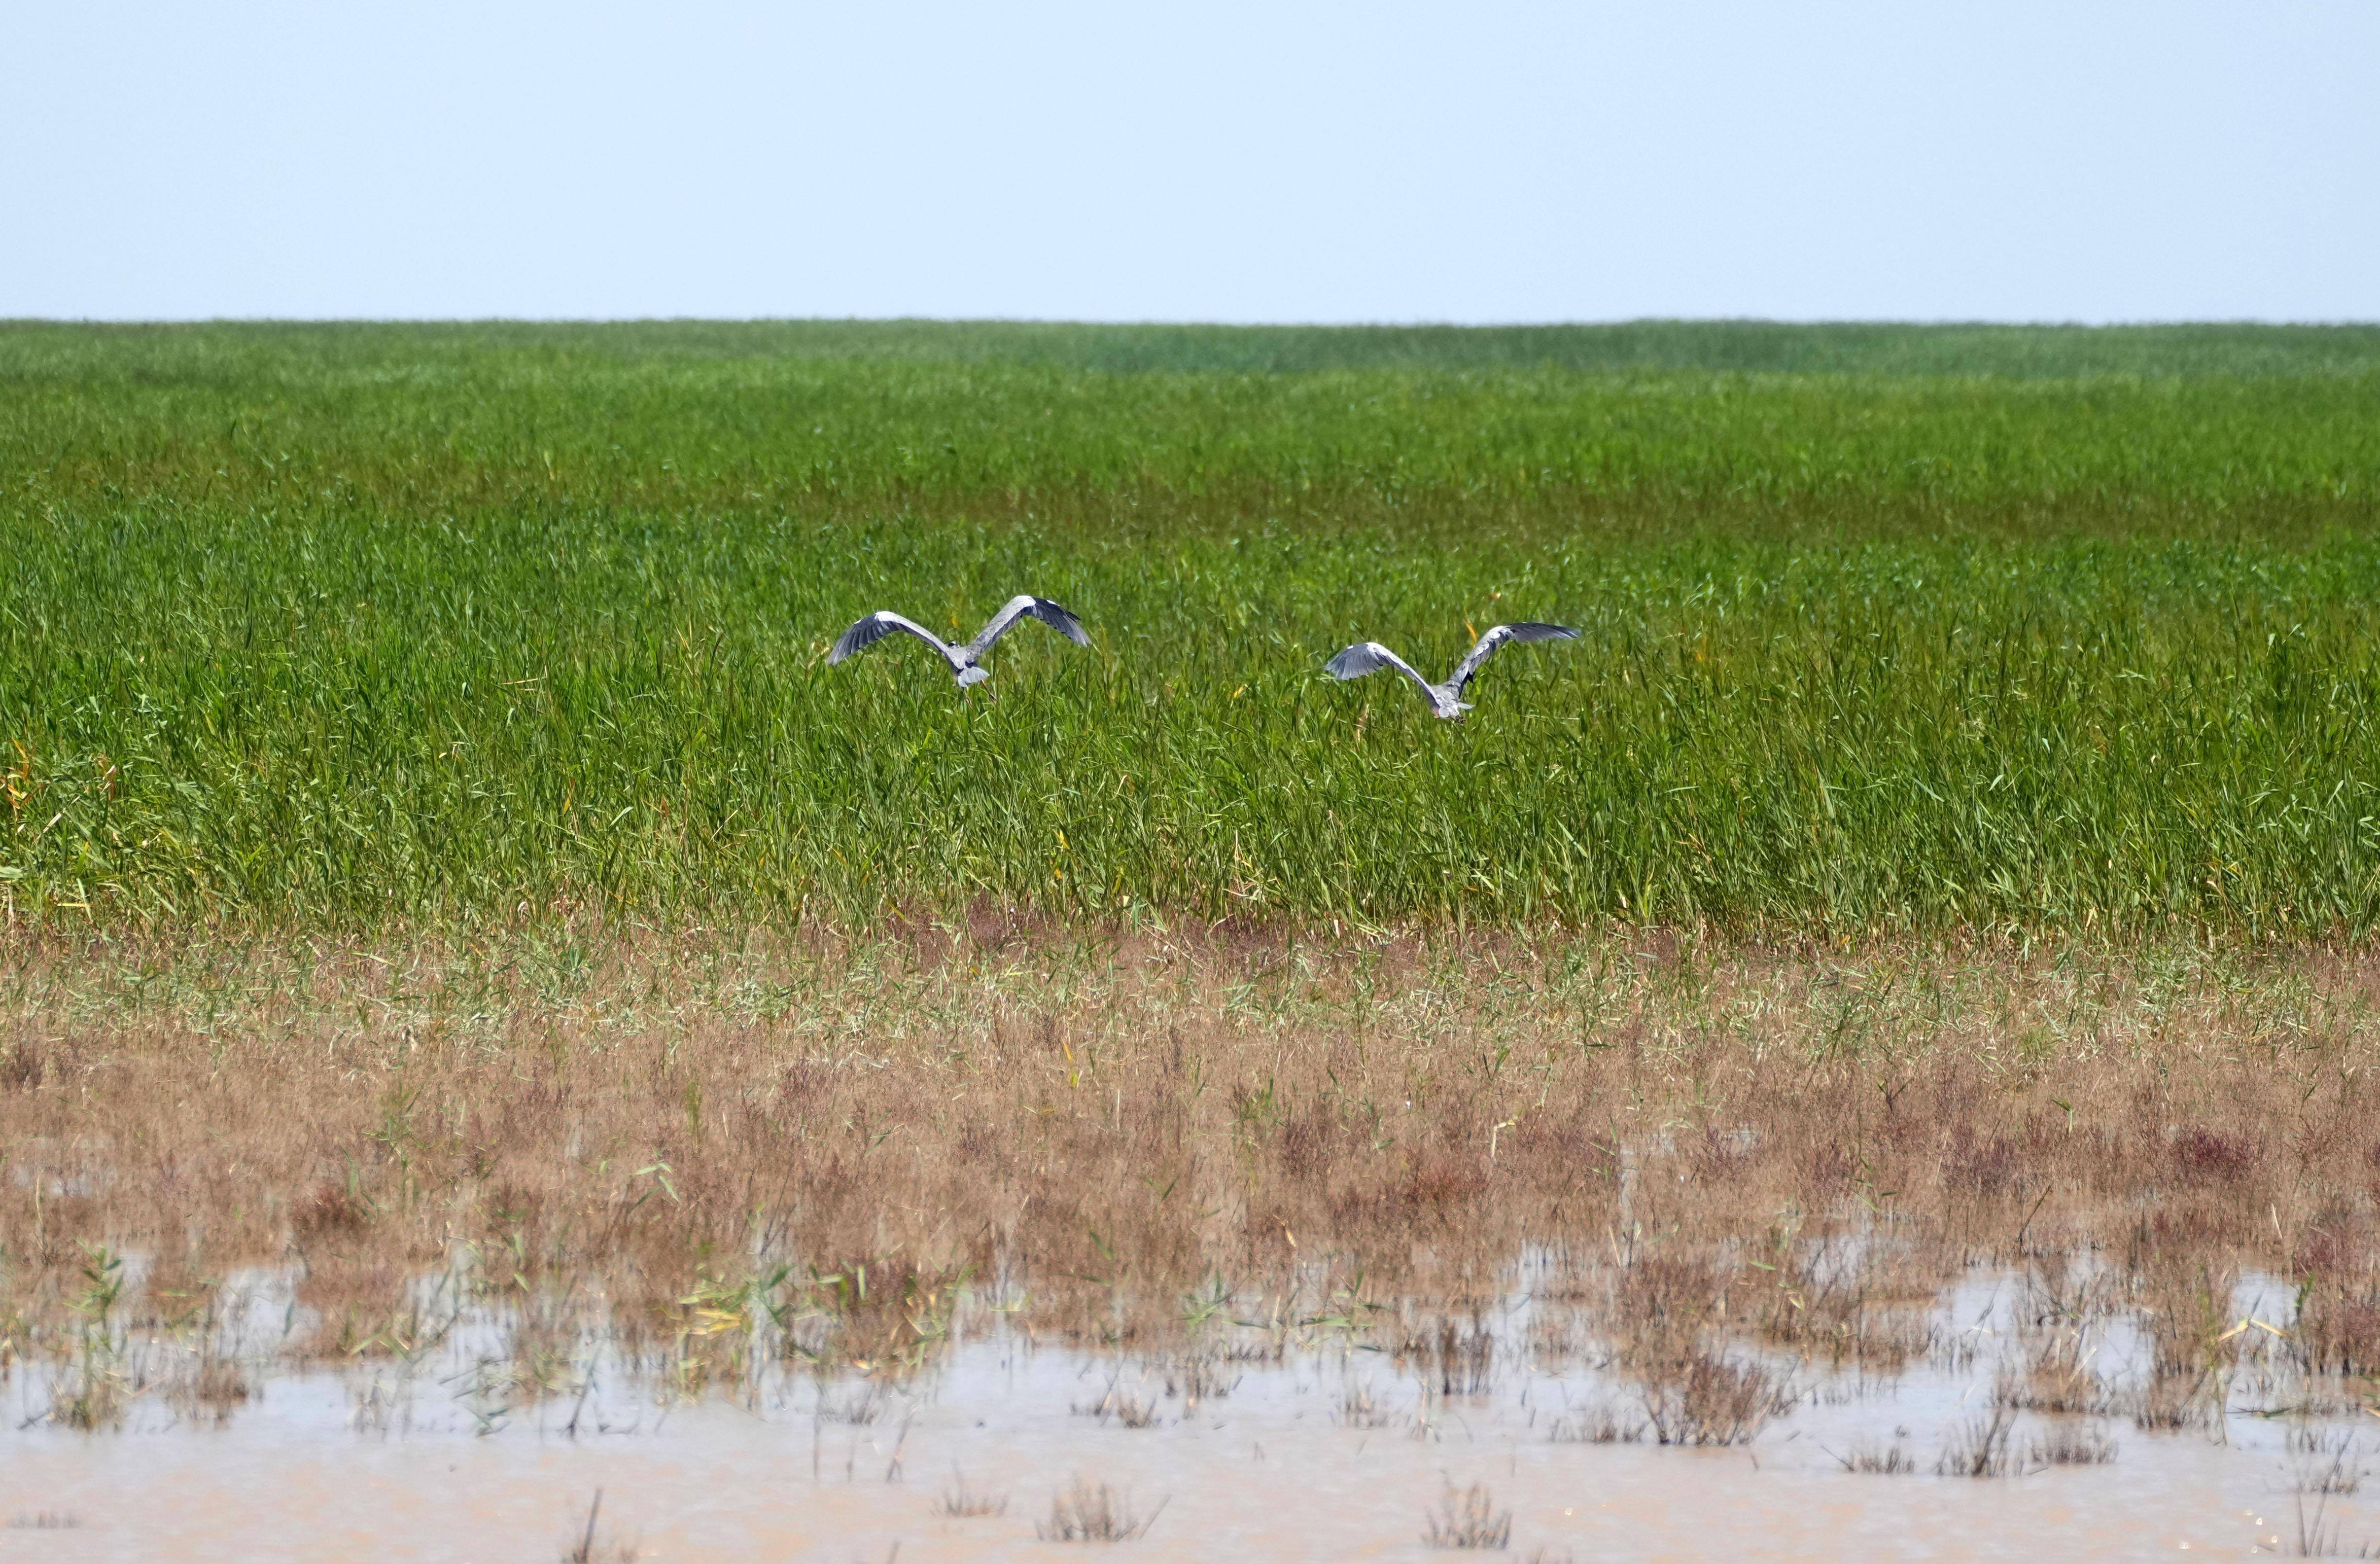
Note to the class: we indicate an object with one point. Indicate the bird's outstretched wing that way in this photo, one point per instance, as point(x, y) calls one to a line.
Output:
point(1017, 608)
point(1527, 630)
point(874, 628)
point(1369, 657)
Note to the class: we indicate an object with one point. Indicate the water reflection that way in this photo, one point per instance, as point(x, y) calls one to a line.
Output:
point(2023, 1421)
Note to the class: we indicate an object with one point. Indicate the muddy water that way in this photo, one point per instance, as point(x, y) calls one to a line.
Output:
point(1325, 1454)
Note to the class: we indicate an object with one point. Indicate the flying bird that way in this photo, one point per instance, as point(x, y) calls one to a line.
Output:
point(965, 662)
point(1445, 700)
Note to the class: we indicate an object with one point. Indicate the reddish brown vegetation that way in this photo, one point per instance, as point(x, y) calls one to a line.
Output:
point(1707, 1149)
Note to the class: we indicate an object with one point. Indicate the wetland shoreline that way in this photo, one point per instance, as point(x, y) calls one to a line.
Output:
point(1791, 1145)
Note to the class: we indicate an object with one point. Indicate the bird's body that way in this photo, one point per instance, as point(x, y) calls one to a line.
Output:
point(966, 661)
point(1445, 700)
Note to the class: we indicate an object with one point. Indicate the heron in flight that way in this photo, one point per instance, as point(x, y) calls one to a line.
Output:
point(1445, 700)
point(965, 662)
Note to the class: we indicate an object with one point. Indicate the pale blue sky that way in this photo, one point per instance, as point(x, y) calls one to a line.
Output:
point(1227, 162)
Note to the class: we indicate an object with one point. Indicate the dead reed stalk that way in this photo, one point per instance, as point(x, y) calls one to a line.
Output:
point(794, 1150)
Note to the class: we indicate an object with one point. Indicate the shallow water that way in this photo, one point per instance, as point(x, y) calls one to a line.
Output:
point(444, 1462)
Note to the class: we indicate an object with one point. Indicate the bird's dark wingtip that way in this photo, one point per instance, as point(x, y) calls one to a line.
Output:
point(1062, 619)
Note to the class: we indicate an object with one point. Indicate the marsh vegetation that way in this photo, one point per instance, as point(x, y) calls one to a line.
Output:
point(1707, 1163)
point(1885, 629)
point(455, 929)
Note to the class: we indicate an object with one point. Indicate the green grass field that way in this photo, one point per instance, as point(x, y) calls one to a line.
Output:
point(1885, 627)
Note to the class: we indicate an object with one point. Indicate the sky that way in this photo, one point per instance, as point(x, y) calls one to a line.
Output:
point(1497, 160)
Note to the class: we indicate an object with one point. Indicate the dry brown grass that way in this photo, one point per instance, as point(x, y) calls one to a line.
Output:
point(1601, 1425)
point(1128, 1410)
point(1094, 1512)
point(1468, 1519)
point(2065, 1444)
point(1878, 1460)
point(822, 1152)
point(962, 1501)
point(1980, 1446)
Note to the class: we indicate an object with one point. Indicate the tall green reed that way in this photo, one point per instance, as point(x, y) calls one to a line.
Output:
point(353, 626)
